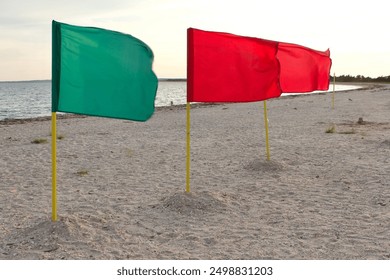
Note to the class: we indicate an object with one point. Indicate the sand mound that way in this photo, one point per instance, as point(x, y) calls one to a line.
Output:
point(264, 166)
point(202, 203)
point(41, 236)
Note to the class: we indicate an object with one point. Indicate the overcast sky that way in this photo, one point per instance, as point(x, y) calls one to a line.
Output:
point(357, 32)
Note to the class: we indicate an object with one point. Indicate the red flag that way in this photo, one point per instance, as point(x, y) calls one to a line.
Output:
point(224, 67)
point(229, 68)
point(303, 69)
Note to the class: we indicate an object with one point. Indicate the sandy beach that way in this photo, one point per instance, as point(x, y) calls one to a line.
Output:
point(325, 193)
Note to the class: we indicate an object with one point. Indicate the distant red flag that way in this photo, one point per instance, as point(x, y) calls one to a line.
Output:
point(223, 67)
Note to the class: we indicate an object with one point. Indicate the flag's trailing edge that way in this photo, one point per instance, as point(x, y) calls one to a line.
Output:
point(100, 72)
point(303, 69)
point(224, 67)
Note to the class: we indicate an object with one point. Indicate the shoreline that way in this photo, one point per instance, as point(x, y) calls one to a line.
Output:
point(121, 184)
point(11, 121)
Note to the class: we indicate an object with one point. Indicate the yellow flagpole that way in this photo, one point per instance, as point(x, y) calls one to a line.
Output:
point(334, 88)
point(188, 149)
point(266, 130)
point(54, 165)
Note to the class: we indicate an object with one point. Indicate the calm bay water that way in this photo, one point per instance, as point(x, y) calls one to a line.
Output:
point(20, 100)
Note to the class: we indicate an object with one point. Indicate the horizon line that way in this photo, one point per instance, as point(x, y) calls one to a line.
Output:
point(49, 80)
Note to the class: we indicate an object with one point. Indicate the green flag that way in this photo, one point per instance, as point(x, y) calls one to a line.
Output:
point(100, 72)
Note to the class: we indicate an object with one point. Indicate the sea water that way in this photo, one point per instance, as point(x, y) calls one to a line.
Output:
point(30, 99)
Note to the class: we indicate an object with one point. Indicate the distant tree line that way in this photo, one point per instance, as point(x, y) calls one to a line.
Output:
point(361, 78)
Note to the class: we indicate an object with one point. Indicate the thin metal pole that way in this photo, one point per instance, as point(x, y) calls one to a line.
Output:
point(54, 165)
point(266, 130)
point(188, 149)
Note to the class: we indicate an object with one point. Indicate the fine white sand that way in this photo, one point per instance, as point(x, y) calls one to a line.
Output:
point(121, 184)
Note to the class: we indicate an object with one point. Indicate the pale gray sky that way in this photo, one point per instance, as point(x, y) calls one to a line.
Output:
point(355, 31)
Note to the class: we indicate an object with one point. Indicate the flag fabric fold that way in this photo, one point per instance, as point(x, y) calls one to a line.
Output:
point(101, 72)
point(224, 67)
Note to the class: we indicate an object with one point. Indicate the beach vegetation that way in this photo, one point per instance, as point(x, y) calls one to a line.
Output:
point(59, 136)
point(129, 152)
point(361, 78)
point(39, 141)
point(82, 172)
point(331, 129)
point(352, 131)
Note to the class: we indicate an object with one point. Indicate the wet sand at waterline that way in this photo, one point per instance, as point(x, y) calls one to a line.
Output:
point(325, 193)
